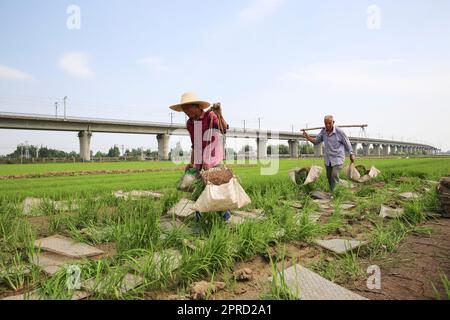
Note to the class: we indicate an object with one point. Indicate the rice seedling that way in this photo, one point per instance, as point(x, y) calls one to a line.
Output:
point(218, 252)
point(279, 290)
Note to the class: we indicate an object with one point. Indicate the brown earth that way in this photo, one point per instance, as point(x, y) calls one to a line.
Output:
point(409, 273)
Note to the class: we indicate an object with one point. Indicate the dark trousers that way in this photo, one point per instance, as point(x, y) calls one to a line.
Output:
point(333, 176)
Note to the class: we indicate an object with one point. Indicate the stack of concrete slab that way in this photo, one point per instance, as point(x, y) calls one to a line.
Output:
point(307, 285)
point(444, 196)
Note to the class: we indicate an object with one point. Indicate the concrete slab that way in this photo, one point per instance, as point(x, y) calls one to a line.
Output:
point(129, 282)
point(34, 295)
point(256, 214)
point(65, 205)
point(433, 215)
point(50, 262)
point(408, 195)
point(25, 296)
point(193, 245)
point(135, 194)
point(236, 220)
point(183, 208)
point(388, 212)
point(347, 184)
point(296, 205)
point(322, 201)
point(340, 246)
point(31, 205)
point(348, 206)
point(168, 224)
point(318, 194)
point(315, 216)
point(67, 247)
point(169, 257)
point(307, 285)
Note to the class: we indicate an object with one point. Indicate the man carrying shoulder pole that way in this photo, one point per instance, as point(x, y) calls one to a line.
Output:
point(336, 143)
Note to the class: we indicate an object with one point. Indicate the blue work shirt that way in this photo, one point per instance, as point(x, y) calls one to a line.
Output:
point(335, 146)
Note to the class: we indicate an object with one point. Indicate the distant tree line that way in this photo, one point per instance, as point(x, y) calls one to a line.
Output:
point(23, 151)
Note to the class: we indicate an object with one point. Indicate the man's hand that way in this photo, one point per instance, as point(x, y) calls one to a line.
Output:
point(305, 135)
point(352, 158)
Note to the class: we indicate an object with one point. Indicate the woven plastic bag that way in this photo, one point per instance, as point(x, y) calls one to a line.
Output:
point(305, 176)
point(227, 196)
point(187, 181)
point(353, 174)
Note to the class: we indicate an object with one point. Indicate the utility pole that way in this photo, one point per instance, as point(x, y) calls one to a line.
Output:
point(56, 109)
point(244, 124)
point(123, 152)
point(259, 124)
point(171, 118)
point(65, 114)
point(292, 128)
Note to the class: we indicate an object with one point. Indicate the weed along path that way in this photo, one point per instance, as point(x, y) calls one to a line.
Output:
point(133, 236)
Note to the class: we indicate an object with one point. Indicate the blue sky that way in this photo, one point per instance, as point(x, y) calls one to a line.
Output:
point(289, 62)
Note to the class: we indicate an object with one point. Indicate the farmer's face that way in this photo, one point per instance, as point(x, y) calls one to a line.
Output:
point(329, 124)
point(193, 111)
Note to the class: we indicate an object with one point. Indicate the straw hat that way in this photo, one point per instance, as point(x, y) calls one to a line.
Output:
point(189, 98)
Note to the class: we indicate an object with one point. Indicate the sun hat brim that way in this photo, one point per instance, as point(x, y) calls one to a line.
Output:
point(179, 107)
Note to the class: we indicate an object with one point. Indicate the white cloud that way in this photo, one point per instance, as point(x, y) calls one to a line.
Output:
point(259, 9)
point(13, 74)
point(153, 64)
point(76, 64)
point(391, 76)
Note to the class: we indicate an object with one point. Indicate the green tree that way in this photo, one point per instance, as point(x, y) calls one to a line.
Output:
point(114, 152)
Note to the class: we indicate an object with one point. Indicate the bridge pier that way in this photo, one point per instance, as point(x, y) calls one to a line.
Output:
point(409, 150)
point(261, 144)
point(366, 149)
point(385, 150)
point(293, 148)
point(85, 145)
point(318, 150)
point(163, 146)
point(393, 149)
point(377, 150)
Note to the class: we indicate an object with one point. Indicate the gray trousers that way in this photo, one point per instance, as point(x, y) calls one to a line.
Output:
point(333, 176)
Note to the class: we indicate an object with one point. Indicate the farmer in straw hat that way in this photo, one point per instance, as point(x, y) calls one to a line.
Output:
point(205, 129)
point(336, 143)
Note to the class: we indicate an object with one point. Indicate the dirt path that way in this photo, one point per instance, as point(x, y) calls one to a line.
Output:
point(99, 172)
point(408, 274)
